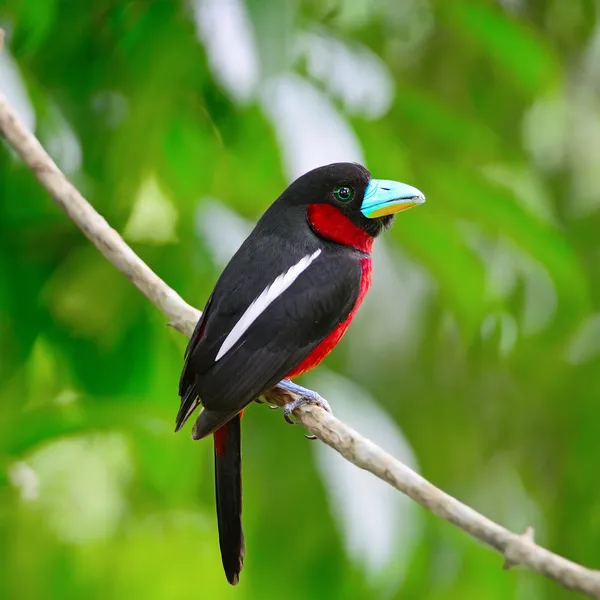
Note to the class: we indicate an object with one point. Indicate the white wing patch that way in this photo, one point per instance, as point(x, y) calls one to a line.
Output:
point(260, 304)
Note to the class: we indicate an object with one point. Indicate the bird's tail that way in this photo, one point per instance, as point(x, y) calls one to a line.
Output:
point(228, 485)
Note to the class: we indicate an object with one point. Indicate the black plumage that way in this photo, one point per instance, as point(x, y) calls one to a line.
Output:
point(292, 326)
point(337, 239)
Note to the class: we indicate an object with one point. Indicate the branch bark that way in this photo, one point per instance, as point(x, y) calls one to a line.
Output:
point(516, 549)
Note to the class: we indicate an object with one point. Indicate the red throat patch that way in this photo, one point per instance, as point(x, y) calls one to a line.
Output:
point(330, 223)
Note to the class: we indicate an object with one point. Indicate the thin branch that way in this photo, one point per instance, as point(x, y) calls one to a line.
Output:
point(182, 316)
point(516, 549)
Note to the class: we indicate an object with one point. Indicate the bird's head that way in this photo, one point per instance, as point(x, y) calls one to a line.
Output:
point(346, 205)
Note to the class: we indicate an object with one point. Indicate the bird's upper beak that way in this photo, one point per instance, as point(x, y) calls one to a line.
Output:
point(384, 197)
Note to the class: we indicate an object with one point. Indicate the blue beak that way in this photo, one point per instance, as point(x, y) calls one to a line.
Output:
point(383, 197)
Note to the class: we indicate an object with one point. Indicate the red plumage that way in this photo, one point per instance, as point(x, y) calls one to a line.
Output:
point(330, 342)
point(329, 222)
point(220, 438)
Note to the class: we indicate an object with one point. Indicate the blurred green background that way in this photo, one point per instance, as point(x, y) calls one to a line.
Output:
point(476, 358)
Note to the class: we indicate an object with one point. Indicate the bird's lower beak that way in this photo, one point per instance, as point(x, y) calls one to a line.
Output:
point(384, 197)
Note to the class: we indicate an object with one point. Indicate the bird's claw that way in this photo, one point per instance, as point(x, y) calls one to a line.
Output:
point(308, 397)
point(310, 437)
point(303, 396)
point(260, 401)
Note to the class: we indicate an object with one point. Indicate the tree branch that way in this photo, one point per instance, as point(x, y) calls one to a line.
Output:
point(516, 549)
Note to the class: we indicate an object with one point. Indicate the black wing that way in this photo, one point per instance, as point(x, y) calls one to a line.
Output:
point(286, 332)
point(187, 389)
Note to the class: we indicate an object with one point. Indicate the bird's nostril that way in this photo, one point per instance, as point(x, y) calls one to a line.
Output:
point(385, 189)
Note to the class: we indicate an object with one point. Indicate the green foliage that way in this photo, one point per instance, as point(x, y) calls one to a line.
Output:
point(480, 344)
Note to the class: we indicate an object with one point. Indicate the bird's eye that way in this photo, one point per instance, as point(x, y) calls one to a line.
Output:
point(343, 193)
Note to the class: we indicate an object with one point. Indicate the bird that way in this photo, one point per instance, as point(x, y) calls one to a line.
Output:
point(279, 307)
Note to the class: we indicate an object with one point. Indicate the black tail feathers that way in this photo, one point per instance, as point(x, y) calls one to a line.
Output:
point(228, 485)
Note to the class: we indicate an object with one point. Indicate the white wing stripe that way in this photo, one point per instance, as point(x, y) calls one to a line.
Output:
point(260, 304)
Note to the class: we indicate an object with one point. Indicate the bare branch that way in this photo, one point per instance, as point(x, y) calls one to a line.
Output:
point(516, 549)
point(182, 316)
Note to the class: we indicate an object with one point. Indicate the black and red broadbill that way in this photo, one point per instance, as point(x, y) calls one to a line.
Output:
point(280, 306)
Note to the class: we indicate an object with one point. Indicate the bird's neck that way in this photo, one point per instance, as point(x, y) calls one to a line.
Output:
point(330, 223)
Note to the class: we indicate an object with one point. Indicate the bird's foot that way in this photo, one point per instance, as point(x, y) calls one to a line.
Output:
point(306, 397)
point(311, 398)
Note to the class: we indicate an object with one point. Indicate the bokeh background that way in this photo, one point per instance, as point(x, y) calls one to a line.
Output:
point(475, 359)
